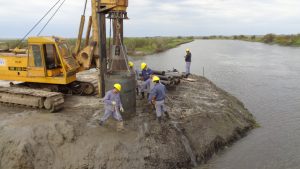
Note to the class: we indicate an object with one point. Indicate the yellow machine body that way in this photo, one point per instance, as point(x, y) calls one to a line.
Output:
point(47, 60)
point(115, 5)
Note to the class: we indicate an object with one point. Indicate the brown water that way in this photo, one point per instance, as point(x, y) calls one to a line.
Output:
point(266, 78)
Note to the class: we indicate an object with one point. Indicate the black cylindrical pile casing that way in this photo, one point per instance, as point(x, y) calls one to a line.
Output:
point(157, 72)
point(169, 78)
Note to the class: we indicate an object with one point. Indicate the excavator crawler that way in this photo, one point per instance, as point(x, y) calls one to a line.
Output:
point(51, 101)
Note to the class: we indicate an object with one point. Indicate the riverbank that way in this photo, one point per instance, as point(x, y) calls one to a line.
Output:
point(135, 46)
point(149, 46)
point(204, 119)
point(283, 40)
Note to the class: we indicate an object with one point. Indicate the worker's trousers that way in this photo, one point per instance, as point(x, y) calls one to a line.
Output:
point(187, 68)
point(115, 114)
point(140, 86)
point(160, 108)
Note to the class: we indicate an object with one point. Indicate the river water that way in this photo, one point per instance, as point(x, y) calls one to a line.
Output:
point(266, 78)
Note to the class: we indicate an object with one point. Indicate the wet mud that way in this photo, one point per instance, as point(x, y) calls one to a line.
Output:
point(204, 119)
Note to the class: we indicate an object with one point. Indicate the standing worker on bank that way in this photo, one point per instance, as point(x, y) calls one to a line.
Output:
point(113, 106)
point(157, 98)
point(146, 74)
point(188, 61)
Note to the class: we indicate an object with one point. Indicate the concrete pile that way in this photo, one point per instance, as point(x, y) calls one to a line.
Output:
point(169, 78)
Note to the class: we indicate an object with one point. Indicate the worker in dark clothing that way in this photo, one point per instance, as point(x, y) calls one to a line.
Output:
point(188, 60)
point(157, 98)
point(146, 74)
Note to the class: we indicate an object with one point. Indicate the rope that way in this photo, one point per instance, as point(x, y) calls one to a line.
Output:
point(19, 43)
point(51, 18)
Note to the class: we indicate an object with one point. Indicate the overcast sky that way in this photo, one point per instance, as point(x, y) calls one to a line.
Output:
point(161, 17)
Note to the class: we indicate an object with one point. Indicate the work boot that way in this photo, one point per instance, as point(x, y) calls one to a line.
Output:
point(159, 120)
point(143, 95)
point(101, 123)
point(120, 126)
point(167, 115)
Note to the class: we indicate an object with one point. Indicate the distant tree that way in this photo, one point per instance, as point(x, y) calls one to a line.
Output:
point(253, 37)
point(242, 37)
point(191, 37)
point(269, 38)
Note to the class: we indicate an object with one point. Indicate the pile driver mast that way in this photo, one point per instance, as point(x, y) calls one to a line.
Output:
point(112, 68)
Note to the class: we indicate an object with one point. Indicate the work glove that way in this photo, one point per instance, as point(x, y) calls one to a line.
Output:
point(113, 103)
point(153, 102)
point(121, 109)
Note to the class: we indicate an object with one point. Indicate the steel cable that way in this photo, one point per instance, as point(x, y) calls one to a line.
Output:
point(51, 17)
point(37, 23)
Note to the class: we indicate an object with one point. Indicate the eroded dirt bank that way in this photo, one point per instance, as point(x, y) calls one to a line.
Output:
point(204, 119)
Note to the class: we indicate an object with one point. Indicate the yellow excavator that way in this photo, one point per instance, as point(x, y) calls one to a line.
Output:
point(48, 63)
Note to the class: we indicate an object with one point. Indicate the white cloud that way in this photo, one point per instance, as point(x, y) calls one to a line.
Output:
point(167, 17)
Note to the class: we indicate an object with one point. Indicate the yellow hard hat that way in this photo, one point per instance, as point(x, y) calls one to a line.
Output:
point(118, 87)
point(130, 64)
point(155, 78)
point(187, 50)
point(143, 66)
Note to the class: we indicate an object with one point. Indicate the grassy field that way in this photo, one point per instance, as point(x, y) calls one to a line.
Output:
point(284, 40)
point(147, 46)
point(135, 46)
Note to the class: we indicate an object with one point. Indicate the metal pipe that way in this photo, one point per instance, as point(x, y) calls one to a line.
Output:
point(177, 81)
point(88, 32)
point(157, 72)
point(169, 78)
point(79, 38)
point(102, 52)
point(167, 83)
point(175, 75)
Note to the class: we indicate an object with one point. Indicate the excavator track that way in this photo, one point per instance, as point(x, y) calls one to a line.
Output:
point(81, 88)
point(52, 101)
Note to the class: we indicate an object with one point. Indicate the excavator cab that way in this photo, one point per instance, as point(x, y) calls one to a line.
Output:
point(50, 57)
point(43, 61)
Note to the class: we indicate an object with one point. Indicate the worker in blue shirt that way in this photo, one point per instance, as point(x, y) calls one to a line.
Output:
point(146, 74)
point(113, 106)
point(188, 61)
point(157, 98)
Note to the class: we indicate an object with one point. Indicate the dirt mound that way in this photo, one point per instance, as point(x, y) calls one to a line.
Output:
point(204, 119)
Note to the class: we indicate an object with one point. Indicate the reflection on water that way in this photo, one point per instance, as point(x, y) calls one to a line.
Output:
point(266, 78)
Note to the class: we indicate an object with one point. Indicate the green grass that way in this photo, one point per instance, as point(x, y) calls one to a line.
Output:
point(147, 46)
point(284, 40)
point(135, 46)
point(12, 43)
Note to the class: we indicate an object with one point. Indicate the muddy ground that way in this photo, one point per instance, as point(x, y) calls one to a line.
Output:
point(204, 119)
